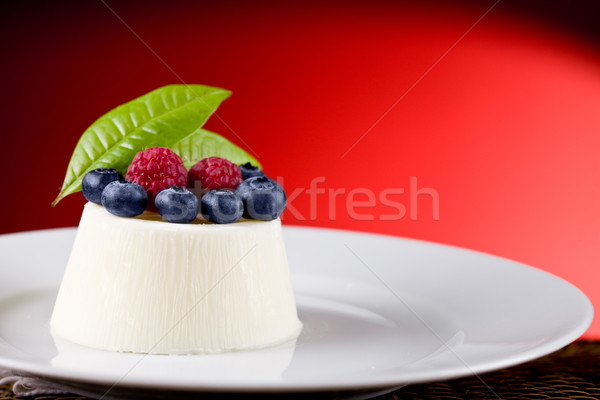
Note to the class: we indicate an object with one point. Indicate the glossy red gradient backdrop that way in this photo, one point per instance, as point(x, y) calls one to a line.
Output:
point(505, 127)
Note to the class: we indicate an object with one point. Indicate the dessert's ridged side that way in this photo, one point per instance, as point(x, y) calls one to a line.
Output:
point(149, 287)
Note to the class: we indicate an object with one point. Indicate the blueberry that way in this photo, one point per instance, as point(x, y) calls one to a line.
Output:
point(222, 206)
point(95, 181)
point(263, 198)
point(249, 170)
point(177, 204)
point(124, 199)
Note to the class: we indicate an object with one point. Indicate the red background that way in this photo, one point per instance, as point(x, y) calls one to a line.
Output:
point(505, 127)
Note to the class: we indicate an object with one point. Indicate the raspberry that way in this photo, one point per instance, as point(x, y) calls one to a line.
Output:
point(214, 173)
point(156, 169)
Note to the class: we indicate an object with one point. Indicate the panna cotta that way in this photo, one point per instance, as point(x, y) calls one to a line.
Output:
point(146, 286)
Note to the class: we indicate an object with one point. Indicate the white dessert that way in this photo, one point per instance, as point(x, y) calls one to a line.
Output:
point(147, 286)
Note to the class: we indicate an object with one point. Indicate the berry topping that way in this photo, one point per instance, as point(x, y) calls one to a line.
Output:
point(124, 199)
point(177, 204)
point(263, 198)
point(249, 170)
point(95, 181)
point(214, 173)
point(222, 206)
point(156, 169)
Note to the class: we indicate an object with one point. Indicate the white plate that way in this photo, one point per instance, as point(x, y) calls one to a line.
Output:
point(378, 312)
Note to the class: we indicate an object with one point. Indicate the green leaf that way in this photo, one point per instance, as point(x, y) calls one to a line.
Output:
point(203, 143)
point(162, 117)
